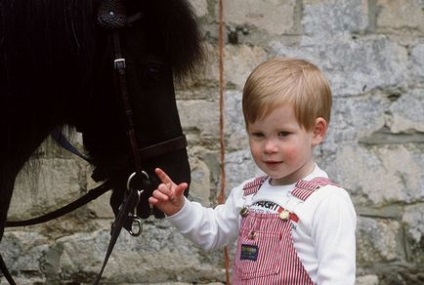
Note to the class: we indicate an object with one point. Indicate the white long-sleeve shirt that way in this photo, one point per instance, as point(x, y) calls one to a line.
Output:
point(324, 237)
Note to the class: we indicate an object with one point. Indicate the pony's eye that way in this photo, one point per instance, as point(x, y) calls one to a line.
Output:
point(152, 73)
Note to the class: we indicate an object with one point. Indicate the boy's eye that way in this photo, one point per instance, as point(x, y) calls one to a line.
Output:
point(257, 135)
point(283, 134)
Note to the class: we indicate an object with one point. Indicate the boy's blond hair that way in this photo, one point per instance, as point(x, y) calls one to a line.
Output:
point(292, 81)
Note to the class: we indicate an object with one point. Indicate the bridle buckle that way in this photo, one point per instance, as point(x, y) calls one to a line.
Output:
point(119, 64)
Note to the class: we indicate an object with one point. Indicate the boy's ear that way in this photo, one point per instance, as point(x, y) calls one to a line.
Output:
point(319, 130)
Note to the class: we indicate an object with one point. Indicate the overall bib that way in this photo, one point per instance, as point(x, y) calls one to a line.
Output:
point(265, 251)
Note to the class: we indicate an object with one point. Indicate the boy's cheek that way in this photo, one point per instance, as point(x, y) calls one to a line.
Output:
point(291, 153)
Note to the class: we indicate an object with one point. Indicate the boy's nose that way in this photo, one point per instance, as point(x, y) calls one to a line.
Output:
point(270, 146)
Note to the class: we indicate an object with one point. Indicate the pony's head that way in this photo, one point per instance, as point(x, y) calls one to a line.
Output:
point(57, 68)
point(159, 42)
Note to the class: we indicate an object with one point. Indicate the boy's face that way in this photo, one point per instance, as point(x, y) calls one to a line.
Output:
point(281, 147)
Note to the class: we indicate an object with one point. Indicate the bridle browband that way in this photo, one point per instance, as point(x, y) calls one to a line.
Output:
point(112, 16)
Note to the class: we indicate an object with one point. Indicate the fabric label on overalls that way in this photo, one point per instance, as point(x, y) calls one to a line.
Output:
point(249, 252)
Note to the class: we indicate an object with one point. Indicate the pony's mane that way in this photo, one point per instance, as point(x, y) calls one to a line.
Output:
point(176, 23)
point(42, 41)
point(54, 25)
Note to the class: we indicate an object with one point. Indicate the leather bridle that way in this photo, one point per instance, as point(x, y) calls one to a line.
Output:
point(112, 16)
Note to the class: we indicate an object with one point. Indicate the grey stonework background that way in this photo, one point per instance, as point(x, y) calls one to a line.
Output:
point(373, 54)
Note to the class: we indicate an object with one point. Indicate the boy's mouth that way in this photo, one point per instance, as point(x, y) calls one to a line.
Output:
point(272, 162)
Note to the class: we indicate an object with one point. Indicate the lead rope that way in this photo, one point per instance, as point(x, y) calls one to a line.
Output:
point(221, 197)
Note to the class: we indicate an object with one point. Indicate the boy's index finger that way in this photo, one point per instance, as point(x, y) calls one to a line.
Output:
point(163, 176)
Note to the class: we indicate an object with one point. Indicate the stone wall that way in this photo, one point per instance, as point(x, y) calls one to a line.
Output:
point(373, 54)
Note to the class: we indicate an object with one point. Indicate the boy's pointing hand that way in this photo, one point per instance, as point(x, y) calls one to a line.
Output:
point(168, 197)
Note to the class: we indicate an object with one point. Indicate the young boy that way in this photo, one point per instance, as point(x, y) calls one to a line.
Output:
point(293, 225)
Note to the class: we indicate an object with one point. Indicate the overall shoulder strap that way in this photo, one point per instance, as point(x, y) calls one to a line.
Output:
point(253, 186)
point(304, 189)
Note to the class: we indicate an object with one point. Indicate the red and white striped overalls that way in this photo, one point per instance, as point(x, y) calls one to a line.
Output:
point(265, 251)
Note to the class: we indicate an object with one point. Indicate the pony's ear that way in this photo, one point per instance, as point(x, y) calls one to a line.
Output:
point(319, 131)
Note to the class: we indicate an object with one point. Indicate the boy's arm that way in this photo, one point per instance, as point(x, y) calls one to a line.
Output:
point(210, 228)
point(333, 231)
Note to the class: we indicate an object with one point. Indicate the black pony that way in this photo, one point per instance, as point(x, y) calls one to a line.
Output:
point(57, 69)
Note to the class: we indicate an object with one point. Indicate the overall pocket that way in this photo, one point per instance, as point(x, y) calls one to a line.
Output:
point(259, 249)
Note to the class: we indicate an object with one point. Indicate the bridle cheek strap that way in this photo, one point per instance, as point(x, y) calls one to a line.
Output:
point(121, 81)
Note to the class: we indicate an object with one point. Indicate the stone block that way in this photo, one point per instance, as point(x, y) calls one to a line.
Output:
point(273, 16)
point(417, 62)
point(379, 175)
point(413, 219)
point(44, 185)
point(400, 14)
point(408, 112)
point(200, 7)
point(240, 60)
point(367, 280)
point(200, 117)
point(377, 241)
point(334, 18)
